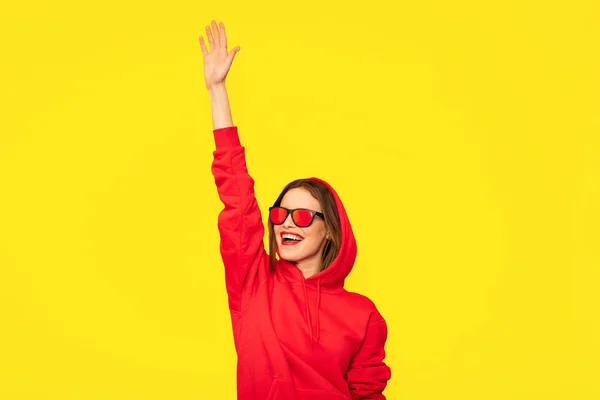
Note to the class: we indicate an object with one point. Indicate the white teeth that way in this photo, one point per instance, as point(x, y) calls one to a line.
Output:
point(292, 237)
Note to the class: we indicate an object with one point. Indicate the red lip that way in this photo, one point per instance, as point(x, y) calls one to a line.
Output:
point(290, 233)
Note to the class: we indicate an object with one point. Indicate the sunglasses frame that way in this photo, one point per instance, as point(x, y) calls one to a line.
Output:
point(313, 213)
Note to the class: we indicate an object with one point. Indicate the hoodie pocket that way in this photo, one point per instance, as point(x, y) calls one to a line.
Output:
point(281, 389)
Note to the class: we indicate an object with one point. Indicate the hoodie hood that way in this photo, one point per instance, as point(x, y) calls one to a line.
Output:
point(334, 276)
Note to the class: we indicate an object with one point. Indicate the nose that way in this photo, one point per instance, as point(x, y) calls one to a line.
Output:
point(289, 222)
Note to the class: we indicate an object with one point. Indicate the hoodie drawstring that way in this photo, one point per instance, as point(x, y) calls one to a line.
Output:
point(308, 317)
point(318, 302)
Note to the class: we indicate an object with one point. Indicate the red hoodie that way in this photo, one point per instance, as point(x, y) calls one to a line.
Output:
point(296, 338)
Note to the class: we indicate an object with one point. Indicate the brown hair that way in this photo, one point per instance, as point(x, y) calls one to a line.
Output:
point(321, 192)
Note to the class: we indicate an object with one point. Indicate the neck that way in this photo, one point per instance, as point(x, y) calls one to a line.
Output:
point(309, 267)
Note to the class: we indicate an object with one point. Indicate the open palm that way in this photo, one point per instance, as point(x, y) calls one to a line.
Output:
point(217, 61)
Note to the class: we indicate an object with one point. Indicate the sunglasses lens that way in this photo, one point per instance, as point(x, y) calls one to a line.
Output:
point(302, 217)
point(278, 215)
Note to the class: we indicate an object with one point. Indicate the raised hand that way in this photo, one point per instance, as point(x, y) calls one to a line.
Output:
point(217, 61)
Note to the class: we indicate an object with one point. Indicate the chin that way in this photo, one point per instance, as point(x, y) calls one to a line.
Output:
point(290, 256)
point(293, 254)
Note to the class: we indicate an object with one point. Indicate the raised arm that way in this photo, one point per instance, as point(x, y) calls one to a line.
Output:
point(217, 63)
point(240, 222)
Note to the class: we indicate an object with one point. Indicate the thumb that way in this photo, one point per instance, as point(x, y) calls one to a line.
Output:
point(231, 55)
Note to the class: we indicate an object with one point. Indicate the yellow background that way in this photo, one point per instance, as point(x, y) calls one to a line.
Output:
point(462, 136)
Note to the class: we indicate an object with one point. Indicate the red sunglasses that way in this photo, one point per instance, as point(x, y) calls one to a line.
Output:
point(302, 217)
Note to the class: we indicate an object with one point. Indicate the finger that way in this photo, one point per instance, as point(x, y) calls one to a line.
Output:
point(210, 38)
point(203, 47)
point(215, 29)
point(223, 37)
point(234, 52)
point(231, 56)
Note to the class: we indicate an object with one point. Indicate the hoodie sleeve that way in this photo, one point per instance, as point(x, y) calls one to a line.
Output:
point(368, 375)
point(240, 222)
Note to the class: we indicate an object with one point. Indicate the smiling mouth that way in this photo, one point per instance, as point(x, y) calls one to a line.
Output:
point(288, 239)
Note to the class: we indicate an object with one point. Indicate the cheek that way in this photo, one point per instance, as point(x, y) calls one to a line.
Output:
point(316, 235)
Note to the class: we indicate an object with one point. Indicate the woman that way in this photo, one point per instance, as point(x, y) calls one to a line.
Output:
point(298, 334)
